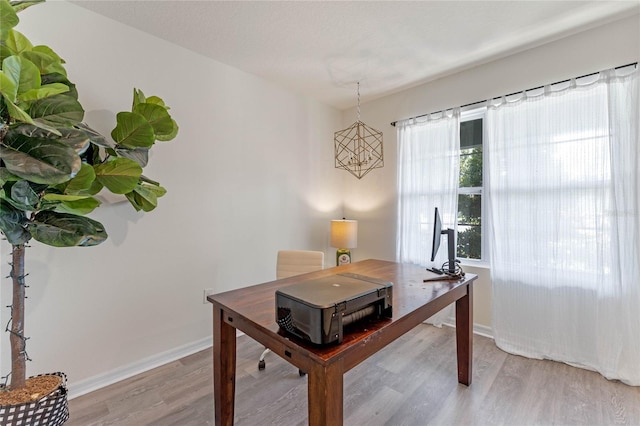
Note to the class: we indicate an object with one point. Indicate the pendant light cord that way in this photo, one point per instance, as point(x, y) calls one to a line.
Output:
point(358, 101)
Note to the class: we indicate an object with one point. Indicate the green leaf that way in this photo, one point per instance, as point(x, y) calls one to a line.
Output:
point(19, 6)
point(39, 59)
point(48, 205)
point(16, 204)
point(8, 18)
point(23, 72)
point(45, 59)
point(17, 113)
point(57, 111)
point(7, 176)
point(81, 183)
point(156, 101)
point(95, 188)
point(79, 207)
point(66, 230)
point(164, 127)
point(13, 224)
point(95, 137)
point(169, 136)
point(5, 52)
point(43, 92)
point(20, 115)
point(145, 196)
point(64, 197)
point(60, 77)
point(119, 175)
point(58, 68)
point(21, 192)
point(138, 98)
point(29, 77)
point(8, 86)
point(11, 67)
point(17, 42)
point(39, 160)
point(157, 116)
point(139, 155)
point(46, 50)
point(132, 130)
point(75, 138)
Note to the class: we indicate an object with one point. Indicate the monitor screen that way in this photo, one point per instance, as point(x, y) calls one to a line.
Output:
point(450, 265)
point(437, 233)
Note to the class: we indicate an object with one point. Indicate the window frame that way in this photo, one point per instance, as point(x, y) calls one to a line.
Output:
point(474, 112)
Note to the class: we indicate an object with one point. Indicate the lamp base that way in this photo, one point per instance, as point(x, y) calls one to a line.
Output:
point(343, 257)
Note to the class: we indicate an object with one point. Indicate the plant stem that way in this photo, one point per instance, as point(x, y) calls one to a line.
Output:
point(18, 353)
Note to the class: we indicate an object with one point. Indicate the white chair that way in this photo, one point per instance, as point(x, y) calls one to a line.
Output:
point(288, 264)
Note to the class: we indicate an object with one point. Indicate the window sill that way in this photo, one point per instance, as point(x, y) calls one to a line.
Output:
point(482, 264)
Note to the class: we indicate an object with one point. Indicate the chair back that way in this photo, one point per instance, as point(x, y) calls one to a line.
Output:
point(296, 262)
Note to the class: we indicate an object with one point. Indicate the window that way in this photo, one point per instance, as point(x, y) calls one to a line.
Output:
point(436, 171)
point(469, 219)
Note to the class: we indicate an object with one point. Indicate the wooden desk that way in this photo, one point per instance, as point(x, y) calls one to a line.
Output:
point(252, 310)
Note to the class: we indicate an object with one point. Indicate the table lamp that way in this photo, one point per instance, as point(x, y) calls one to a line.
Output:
point(344, 236)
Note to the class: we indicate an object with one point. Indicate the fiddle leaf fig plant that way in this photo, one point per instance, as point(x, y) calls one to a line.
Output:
point(52, 164)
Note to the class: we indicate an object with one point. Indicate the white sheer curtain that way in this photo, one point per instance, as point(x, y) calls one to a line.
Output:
point(428, 174)
point(563, 191)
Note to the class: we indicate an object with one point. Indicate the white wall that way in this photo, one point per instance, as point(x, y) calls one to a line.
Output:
point(372, 200)
point(250, 172)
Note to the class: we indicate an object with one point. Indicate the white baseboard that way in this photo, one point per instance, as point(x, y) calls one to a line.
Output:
point(479, 329)
point(110, 377)
point(483, 330)
point(91, 384)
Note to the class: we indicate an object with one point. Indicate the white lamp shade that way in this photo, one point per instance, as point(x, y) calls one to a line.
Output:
point(344, 234)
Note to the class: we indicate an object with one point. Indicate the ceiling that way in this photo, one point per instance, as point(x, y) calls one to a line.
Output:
point(322, 48)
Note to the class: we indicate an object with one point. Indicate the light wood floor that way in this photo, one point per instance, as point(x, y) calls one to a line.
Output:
point(411, 382)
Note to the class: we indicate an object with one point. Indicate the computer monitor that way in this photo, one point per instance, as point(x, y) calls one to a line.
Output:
point(451, 243)
point(437, 231)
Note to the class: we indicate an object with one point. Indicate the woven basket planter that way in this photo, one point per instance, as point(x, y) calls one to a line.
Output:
point(50, 410)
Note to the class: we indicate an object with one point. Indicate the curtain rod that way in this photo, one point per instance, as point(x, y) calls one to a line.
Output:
point(393, 123)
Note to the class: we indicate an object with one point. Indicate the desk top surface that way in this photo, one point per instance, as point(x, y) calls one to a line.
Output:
point(411, 298)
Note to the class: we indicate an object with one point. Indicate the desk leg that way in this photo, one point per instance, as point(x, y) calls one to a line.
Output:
point(325, 395)
point(224, 368)
point(464, 336)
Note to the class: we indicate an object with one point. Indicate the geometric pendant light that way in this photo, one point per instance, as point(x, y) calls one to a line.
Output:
point(358, 148)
